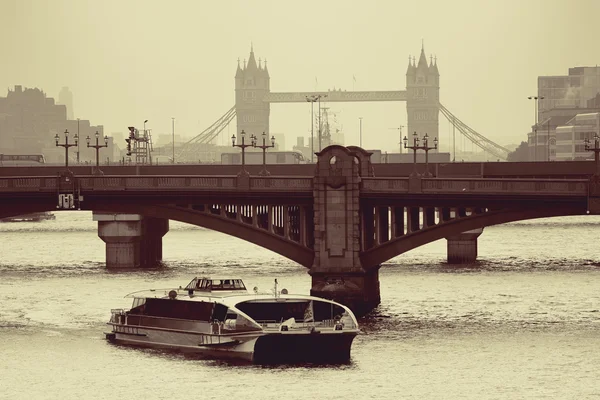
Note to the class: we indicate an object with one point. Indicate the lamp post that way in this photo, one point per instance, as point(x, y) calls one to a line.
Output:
point(243, 146)
point(319, 98)
point(416, 147)
point(173, 140)
point(595, 149)
point(97, 146)
point(77, 142)
point(360, 132)
point(264, 148)
point(66, 145)
point(535, 120)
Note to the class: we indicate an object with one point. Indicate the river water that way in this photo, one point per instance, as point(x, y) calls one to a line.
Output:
point(524, 323)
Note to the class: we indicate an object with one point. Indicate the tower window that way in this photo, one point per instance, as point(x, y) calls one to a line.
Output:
point(420, 93)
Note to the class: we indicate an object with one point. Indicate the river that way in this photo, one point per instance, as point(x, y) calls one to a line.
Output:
point(522, 323)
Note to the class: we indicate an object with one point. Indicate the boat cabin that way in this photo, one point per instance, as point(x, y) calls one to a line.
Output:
point(216, 285)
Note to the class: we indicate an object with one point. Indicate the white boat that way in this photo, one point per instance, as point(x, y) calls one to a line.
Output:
point(219, 318)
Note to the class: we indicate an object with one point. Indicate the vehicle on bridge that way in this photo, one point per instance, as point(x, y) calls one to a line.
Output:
point(7, 160)
point(272, 157)
point(219, 318)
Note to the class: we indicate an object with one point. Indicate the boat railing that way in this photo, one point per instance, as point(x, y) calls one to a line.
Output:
point(118, 316)
point(301, 325)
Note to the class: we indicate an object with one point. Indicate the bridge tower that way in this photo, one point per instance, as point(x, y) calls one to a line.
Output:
point(422, 96)
point(252, 83)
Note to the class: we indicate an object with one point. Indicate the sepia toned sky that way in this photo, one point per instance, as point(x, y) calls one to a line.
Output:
point(130, 60)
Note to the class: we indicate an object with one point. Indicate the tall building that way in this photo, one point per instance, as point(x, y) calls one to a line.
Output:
point(558, 133)
point(422, 96)
point(29, 121)
point(572, 91)
point(570, 139)
point(65, 97)
point(252, 83)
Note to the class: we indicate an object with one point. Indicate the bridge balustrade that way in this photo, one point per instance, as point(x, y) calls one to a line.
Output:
point(515, 187)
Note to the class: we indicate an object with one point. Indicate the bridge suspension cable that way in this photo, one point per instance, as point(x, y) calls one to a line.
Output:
point(476, 138)
point(192, 147)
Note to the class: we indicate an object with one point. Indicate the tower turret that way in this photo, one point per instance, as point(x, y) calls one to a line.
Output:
point(252, 83)
point(410, 71)
point(422, 97)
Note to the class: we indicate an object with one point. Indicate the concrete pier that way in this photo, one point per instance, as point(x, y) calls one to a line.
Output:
point(462, 248)
point(131, 239)
point(337, 272)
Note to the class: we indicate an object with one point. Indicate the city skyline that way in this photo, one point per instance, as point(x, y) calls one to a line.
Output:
point(125, 63)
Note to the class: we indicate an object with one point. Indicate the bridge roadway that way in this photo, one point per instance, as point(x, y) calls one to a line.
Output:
point(341, 218)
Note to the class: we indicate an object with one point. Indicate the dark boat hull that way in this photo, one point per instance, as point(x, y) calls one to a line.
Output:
point(297, 348)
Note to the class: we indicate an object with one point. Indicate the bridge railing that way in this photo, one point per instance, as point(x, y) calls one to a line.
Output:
point(162, 182)
point(300, 184)
point(478, 186)
point(26, 183)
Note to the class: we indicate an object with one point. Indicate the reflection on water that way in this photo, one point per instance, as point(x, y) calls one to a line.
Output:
point(522, 322)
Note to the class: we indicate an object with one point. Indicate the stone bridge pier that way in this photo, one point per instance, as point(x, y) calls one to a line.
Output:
point(462, 248)
point(337, 271)
point(132, 240)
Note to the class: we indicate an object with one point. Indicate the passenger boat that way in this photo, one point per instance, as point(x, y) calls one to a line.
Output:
point(220, 318)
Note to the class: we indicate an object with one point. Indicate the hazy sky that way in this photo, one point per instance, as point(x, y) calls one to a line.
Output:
point(126, 61)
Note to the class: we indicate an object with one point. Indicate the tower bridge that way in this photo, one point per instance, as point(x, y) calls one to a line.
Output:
point(253, 98)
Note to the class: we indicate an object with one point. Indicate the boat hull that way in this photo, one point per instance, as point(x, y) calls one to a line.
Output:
point(318, 347)
point(259, 347)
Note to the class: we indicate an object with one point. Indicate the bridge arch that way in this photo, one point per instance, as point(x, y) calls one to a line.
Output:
point(381, 253)
point(260, 237)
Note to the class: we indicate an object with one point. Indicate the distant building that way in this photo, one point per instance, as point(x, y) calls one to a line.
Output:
point(570, 138)
point(29, 121)
point(390, 158)
point(572, 91)
point(65, 97)
point(562, 98)
point(271, 157)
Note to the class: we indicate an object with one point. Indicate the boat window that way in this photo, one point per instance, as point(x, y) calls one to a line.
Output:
point(226, 284)
point(238, 284)
point(219, 312)
point(278, 311)
point(193, 284)
point(205, 284)
point(168, 308)
point(138, 306)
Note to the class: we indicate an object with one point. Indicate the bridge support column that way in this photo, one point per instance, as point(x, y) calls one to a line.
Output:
point(337, 272)
point(462, 248)
point(131, 240)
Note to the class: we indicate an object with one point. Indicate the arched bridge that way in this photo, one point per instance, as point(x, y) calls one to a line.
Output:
point(341, 222)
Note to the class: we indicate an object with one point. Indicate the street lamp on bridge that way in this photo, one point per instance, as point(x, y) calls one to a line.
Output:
point(66, 145)
point(243, 146)
point(264, 148)
point(97, 147)
point(416, 147)
point(595, 149)
point(535, 126)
